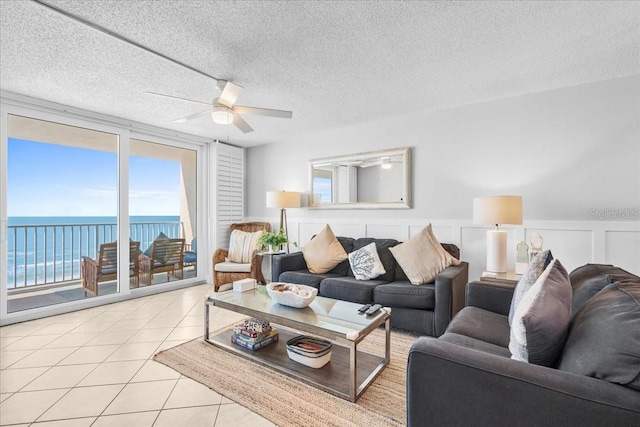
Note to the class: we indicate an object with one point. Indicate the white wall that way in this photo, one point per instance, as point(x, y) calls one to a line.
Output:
point(572, 153)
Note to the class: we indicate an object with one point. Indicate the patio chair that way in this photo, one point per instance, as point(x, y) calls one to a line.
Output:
point(190, 253)
point(105, 268)
point(225, 271)
point(167, 256)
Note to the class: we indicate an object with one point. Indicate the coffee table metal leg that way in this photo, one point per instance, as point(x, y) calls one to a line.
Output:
point(353, 354)
point(206, 320)
point(387, 342)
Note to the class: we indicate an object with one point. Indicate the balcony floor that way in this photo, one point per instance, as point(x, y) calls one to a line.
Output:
point(73, 292)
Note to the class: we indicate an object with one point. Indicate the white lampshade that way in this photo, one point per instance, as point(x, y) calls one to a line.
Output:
point(497, 210)
point(283, 199)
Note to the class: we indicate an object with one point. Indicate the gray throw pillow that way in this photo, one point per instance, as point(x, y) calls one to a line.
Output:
point(541, 320)
point(149, 250)
point(604, 337)
point(529, 277)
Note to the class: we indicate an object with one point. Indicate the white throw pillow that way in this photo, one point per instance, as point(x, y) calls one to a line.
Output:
point(241, 246)
point(422, 257)
point(323, 252)
point(535, 268)
point(365, 262)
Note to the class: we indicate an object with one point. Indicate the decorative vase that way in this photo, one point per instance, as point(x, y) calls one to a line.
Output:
point(273, 248)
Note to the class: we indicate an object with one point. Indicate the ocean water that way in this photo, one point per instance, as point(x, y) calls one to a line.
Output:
point(49, 249)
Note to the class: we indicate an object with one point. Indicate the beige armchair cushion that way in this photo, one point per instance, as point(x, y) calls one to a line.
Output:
point(242, 244)
point(232, 267)
point(323, 252)
point(422, 257)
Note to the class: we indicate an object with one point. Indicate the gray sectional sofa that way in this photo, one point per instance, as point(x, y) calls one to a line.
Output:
point(426, 309)
point(467, 377)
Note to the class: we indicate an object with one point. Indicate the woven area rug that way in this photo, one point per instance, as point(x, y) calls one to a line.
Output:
point(288, 402)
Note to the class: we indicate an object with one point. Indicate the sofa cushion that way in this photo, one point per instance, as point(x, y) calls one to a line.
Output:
point(590, 279)
point(529, 277)
point(324, 252)
point(387, 259)
point(349, 289)
point(476, 344)
point(604, 337)
point(481, 324)
point(365, 263)
point(422, 257)
point(541, 320)
point(404, 294)
point(242, 244)
point(305, 277)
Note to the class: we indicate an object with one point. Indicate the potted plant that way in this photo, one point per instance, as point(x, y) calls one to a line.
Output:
point(272, 240)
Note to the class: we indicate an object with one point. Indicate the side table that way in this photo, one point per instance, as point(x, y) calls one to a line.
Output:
point(269, 256)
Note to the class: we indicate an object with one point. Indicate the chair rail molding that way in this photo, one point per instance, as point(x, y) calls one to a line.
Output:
point(574, 243)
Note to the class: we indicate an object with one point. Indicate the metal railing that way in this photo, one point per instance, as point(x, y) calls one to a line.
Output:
point(44, 254)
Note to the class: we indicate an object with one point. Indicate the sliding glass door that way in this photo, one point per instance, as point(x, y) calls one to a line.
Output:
point(162, 211)
point(90, 214)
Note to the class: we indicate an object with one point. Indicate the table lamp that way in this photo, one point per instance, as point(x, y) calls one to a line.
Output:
point(496, 210)
point(283, 200)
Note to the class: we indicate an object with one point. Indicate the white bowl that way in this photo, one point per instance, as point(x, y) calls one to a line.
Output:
point(298, 296)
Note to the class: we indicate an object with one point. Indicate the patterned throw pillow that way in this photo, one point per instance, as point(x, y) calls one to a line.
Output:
point(241, 246)
point(541, 319)
point(529, 277)
point(422, 257)
point(323, 252)
point(366, 263)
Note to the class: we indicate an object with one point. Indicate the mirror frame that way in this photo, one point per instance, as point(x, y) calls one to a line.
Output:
point(404, 152)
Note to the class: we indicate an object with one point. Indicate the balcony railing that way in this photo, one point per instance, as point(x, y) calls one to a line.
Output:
point(45, 254)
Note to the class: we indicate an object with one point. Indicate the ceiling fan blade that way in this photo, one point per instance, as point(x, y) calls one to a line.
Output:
point(229, 95)
point(263, 111)
point(177, 97)
point(193, 116)
point(241, 124)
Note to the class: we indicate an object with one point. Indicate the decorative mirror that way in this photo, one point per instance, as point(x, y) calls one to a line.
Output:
point(373, 180)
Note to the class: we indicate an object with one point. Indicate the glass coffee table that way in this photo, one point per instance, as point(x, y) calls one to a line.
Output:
point(350, 370)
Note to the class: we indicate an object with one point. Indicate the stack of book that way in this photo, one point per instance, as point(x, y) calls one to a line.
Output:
point(254, 334)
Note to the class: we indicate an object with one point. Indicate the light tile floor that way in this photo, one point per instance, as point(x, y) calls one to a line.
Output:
point(94, 367)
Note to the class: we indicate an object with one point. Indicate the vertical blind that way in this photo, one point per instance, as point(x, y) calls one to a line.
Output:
point(229, 190)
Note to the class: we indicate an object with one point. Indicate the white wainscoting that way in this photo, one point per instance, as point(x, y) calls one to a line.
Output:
point(574, 243)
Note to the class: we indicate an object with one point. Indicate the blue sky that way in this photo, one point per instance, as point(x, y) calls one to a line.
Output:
point(55, 180)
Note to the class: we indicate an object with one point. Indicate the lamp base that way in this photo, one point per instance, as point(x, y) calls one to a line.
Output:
point(497, 251)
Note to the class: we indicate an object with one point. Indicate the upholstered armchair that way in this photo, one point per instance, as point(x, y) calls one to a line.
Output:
point(244, 261)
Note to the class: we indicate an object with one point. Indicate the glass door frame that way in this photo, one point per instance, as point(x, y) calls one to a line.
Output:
point(43, 110)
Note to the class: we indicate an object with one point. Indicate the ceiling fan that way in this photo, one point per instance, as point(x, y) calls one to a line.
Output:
point(223, 109)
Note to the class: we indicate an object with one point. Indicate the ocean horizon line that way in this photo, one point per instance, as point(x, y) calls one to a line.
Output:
point(84, 219)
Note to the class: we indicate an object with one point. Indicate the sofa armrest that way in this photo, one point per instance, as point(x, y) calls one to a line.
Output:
point(448, 384)
point(287, 262)
point(491, 296)
point(449, 285)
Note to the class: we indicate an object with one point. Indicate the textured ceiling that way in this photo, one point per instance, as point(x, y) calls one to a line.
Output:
point(332, 63)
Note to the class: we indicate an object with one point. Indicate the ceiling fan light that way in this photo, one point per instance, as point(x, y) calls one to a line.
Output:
point(222, 115)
